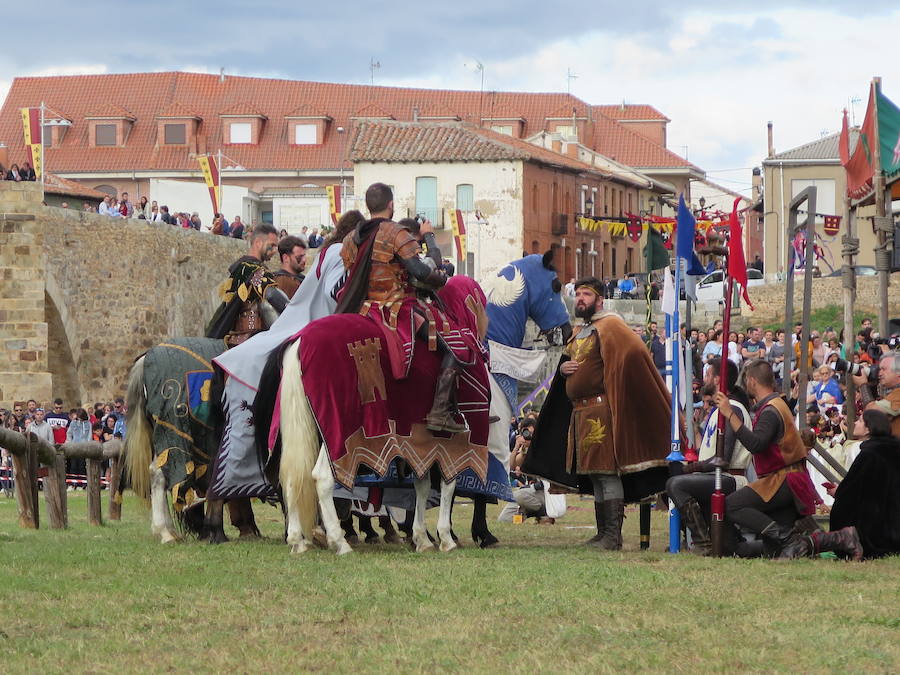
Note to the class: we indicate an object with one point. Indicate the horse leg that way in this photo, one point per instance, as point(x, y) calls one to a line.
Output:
point(444, 525)
point(161, 523)
point(390, 534)
point(294, 538)
point(325, 489)
point(481, 535)
point(344, 510)
point(240, 512)
point(419, 533)
point(214, 524)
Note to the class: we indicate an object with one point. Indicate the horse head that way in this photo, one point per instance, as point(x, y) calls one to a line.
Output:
point(527, 288)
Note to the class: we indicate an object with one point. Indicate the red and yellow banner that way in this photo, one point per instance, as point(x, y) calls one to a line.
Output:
point(31, 124)
point(334, 202)
point(458, 225)
point(211, 176)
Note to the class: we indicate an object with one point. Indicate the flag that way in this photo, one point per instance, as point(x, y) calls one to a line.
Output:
point(334, 202)
point(669, 304)
point(31, 125)
point(844, 143)
point(888, 134)
point(458, 228)
point(685, 230)
point(211, 177)
point(737, 265)
point(861, 165)
point(655, 251)
point(832, 225)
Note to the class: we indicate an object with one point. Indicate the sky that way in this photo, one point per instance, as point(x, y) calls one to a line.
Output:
point(719, 71)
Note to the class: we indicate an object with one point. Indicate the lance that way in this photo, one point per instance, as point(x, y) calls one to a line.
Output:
point(675, 455)
point(717, 520)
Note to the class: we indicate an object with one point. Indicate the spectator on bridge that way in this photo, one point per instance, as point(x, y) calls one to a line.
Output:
point(237, 228)
point(126, 208)
point(196, 223)
point(143, 207)
point(14, 173)
point(165, 216)
point(28, 172)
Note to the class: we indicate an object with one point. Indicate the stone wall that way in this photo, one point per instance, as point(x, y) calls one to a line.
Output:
point(82, 295)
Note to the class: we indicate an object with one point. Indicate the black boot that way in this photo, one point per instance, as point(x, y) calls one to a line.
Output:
point(843, 542)
point(598, 516)
point(784, 543)
point(693, 518)
point(613, 515)
point(443, 413)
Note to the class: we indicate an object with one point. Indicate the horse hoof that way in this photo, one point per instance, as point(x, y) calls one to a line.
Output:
point(423, 548)
point(353, 540)
point(393, 539)
point(485, 540)
point(447, 546)
point(373, 539)
point(249, 536)
point(319, 538)
point(167, 538)
point(343, 548)
point(301, 547)
point(217, 538)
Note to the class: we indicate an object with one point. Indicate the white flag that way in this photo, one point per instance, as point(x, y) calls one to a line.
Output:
point(668, 298)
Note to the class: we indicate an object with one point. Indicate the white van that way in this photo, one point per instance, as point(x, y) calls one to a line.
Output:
point(711, 286)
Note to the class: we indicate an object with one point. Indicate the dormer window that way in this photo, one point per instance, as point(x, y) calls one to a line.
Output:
point(177, 125)
point(109, 126)
point(508, 125)
point(242, 124)
point(306, 126)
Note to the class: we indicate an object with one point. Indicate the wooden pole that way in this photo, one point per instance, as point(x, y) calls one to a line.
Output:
point(849, 250)
point(882, 201)
point(803, 377)
point(95, 516)
point(115, 497)
point(25, 468)
point(55, 494)
point(788, 307)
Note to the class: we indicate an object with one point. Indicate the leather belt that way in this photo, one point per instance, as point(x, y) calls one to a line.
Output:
point(736, 472)
point(591, 400)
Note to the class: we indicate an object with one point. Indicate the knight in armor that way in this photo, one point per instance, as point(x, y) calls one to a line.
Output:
point(691, 491)
point(249, 294)
point(382, 259)
point(292, 251)
point(604, 427)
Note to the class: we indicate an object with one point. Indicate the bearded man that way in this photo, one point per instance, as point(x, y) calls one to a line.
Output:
point(604, 428)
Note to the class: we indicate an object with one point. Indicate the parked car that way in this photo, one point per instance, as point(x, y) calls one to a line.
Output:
point(861, 271)
point(711, 286)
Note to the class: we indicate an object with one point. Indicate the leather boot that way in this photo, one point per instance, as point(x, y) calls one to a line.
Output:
point(784, 543)
point(693, 518)
point(441, 417)
point(598, 516)
point(844, 542)
point(613, 515)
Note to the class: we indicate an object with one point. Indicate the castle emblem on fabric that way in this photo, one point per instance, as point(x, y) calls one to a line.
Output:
point(369, 376)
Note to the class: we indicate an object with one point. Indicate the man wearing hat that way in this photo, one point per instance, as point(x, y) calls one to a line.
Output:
point(604, 427)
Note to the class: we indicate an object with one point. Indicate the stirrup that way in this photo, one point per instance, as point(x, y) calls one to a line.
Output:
point(445, 422)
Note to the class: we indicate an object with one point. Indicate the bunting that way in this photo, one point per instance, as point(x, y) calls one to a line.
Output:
point(211, 178)
point(31, 125)
point(334, 202)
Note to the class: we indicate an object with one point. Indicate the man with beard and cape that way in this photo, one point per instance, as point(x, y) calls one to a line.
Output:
point(604, 427)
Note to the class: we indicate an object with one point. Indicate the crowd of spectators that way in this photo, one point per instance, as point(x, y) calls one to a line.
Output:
point(18, 173)
point(55, 424)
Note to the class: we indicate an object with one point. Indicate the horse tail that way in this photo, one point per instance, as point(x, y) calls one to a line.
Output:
point(138, 447)
point(299, 443)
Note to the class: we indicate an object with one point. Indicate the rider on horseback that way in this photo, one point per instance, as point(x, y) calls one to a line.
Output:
point(382, 258)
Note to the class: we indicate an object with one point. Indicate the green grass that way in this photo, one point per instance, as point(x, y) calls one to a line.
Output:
point(823, 317)
point(110, 599)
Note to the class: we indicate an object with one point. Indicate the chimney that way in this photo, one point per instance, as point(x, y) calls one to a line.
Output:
point(556, 146)
point(221, 74)
point(415, 114)
point(771, 141)
point(4, 155)
point(757, 183)
point(572, 150)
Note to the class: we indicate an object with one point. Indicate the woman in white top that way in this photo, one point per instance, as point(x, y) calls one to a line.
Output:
point(734, 349)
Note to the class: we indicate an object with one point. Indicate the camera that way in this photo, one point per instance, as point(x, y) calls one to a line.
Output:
point(855, 369)
point(526, 434)
point(420, 218)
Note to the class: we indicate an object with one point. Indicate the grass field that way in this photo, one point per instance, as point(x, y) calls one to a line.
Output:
point(110, 600)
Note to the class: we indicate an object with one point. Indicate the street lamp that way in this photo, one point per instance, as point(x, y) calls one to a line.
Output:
point(589, 205)
point(340, 131)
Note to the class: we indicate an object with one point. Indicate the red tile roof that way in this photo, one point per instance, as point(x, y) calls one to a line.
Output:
point(242, 108)
point(63, 186)
point(150, 95)
point(372, 111)
point(109, 110)
point(385, 141)
point(629, 111)
point(304, 110)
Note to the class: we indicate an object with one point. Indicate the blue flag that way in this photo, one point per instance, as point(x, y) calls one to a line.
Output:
point(684, 238)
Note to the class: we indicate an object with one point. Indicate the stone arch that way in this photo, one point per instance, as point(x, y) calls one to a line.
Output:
point(60, 362)
point(108, 189)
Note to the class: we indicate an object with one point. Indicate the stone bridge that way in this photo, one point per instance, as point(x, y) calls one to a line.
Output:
point(82, 295)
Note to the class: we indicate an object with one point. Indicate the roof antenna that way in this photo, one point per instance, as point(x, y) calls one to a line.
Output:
point(221, 74)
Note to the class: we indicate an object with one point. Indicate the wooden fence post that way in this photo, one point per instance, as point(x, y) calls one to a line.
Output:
point(95, 517)
point(25, 467)
point(115, 475)
point(55, 494)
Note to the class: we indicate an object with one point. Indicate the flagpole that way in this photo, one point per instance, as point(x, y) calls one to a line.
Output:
point(717, 502)
point(675, 454)
point(881, 207)
point(220, 195)
point(42, 152)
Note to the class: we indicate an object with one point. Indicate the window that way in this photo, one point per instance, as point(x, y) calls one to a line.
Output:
point(47, 135)
point(240, 132)
point(505, 129)
point(566, 130)
point(825, 193)
point(105, 134)
point(465, 197)
point(174, 134)
point(426, 198)
point(305, 134)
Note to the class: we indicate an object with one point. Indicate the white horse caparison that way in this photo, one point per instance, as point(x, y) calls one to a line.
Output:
point(307, 478)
